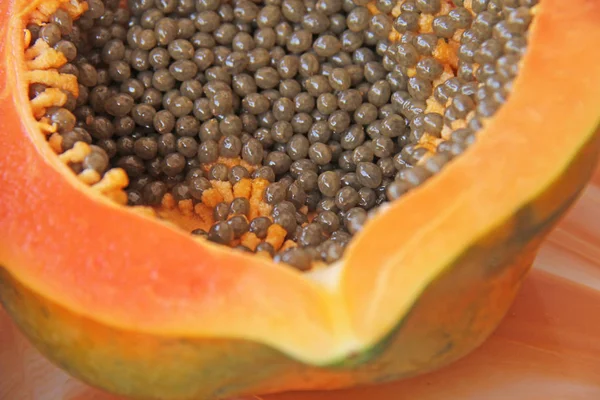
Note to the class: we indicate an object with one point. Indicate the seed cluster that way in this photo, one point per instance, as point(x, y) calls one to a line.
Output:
point(338, 106)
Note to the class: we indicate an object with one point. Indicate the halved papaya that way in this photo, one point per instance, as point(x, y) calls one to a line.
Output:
point(136, 305)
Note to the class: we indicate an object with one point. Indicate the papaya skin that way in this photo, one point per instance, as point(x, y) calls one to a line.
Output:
point(173, 343)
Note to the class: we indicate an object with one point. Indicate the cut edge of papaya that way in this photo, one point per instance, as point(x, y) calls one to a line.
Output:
point(220, 293)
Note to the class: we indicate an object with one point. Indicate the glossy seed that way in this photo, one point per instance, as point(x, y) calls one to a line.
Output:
point(312, 96)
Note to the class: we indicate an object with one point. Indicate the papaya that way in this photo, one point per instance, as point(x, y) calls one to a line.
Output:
point(209, 199)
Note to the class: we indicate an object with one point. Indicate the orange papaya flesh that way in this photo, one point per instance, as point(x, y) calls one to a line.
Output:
point(107, 298)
